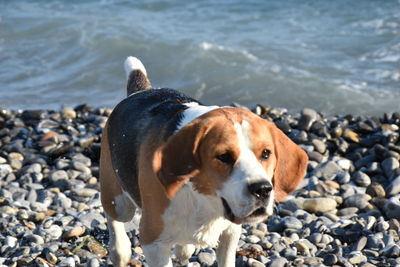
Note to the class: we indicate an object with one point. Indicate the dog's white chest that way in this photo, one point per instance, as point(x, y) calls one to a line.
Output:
point(193, 218)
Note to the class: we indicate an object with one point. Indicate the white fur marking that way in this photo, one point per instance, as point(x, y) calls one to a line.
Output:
point(133, 63)
point(120, 245)
point(194, 111)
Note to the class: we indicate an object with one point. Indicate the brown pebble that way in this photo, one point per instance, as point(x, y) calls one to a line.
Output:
point(332, 184)
point(50, 212)
point(135, 263)
point(375, 190)
point(74, 232)
point(49, 135)
point(96, 248)
point(30, 225)
point(351, 136)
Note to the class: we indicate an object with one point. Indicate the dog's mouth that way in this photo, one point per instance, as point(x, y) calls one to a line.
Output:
point(256, 215)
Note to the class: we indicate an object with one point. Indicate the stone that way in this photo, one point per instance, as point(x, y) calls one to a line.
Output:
point(359, 201)
point(58, 175)
point(389, 165)
point(348, 211)
point(376, 190)
point(278, 262)
point(392, 208)
point(74, 232)
point(344, 164)
point(319, 145)
point(10, 241)
point(96, 247)
point(308, 116)
point(394, 187)
point(343, 177)
point(292, 223)
point(350, 135)
point(360, 244)
point(68, 112)
point(330, 259)
point(67, 262)
point(85, 192)
point(357, 259)
point(5, 169)
point(321, 205)
point(327, 170)
point(54, 231)
point(361, 179)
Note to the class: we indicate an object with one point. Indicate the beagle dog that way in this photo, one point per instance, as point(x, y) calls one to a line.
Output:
point(195, 172)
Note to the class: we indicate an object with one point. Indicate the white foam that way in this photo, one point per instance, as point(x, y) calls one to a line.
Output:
point(133, 63)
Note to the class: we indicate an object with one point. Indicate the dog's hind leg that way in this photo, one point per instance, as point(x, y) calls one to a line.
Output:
point(118, 208)
point(120, 245)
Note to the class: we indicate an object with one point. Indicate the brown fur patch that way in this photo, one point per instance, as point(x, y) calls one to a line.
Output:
point(291, 164)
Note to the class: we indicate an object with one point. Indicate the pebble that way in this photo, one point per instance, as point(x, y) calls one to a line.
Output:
point(327, 170)
point(361, 179)
point(74, 232)
point(278, 262)
point(67, 262)
point(389, 165)
point(394, 187)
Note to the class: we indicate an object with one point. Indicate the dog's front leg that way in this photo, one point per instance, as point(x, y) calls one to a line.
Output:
point(226, 250)
point(157, 254)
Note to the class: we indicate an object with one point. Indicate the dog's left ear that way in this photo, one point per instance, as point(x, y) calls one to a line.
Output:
point(291, 164)
point(178, 161)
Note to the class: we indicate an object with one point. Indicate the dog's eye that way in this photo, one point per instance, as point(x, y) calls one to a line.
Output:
point(265, 154)
point(226, 158)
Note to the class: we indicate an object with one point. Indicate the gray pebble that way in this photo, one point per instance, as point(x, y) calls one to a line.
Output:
point(278, 262)
point(67, 262)
point(343, 177)
point(58, 175)
point(359, 201)
point(308, 116)
point(54, 232)
point(330, 259)
point(292, 223)
point(360, 243)
point(389, 165)
point(328, 170)
point(361, 179)
point(348, 211)
point(394, 187)
point(10, 241)
point(5, 169)
point(255, 263)
point(93, 263)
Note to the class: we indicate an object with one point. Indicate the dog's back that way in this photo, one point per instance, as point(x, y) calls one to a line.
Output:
point(143, 110)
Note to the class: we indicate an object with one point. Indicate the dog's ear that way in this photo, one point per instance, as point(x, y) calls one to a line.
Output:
point(178, 160)
point(291, 164)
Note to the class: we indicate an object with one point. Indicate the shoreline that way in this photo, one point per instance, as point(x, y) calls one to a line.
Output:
point(346, 211)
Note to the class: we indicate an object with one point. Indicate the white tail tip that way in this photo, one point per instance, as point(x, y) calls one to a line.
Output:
point(133, 63)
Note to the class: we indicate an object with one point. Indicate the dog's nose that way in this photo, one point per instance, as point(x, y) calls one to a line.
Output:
point(260, 190)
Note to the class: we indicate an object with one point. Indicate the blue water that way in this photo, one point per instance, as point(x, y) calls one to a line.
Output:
point(337, 57)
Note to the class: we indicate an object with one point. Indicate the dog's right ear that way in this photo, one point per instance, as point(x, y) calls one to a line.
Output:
point(178, 160)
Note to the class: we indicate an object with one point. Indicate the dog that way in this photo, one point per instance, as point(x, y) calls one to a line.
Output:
point(195, 172)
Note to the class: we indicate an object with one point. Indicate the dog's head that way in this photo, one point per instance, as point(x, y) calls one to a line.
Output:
point(234, 155)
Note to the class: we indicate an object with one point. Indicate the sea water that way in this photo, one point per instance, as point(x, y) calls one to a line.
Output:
point(337, 57)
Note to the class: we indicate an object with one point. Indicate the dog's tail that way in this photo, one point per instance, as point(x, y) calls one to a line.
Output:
point(136, 75)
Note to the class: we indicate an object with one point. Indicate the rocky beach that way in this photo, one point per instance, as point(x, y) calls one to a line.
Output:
point(346, 212)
